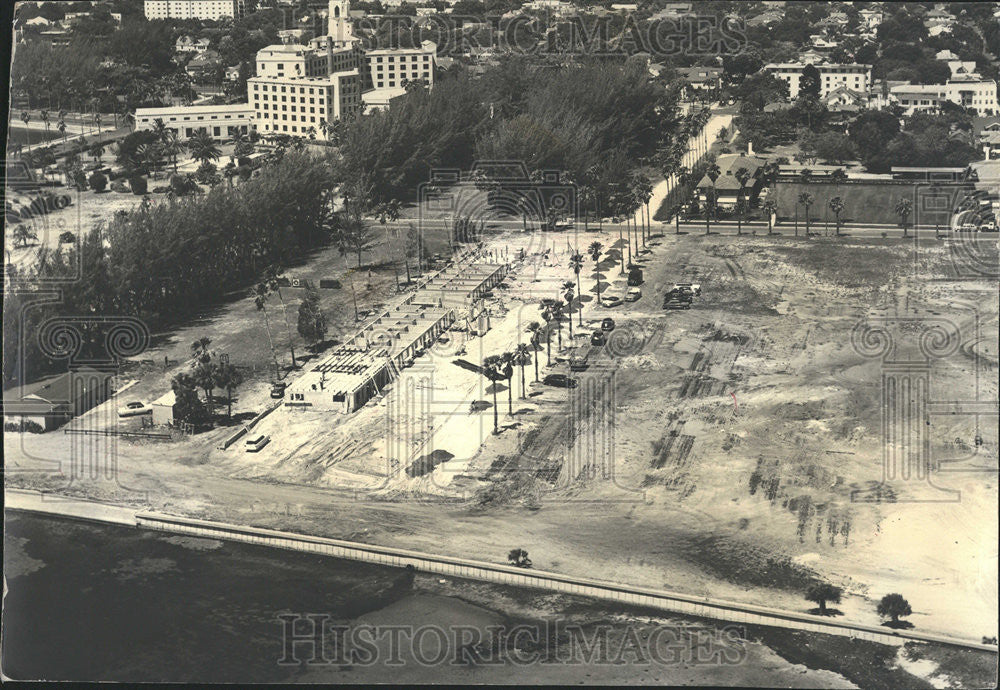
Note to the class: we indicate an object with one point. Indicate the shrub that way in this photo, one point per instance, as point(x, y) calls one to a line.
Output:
point(67, 237)
point(120, 187)
point(98, 182)
point(24, 425)
point(138, 185)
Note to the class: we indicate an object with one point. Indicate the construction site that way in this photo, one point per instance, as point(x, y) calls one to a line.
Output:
point(362, 366)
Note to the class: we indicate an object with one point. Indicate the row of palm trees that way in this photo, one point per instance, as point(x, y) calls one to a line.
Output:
point(553, 311)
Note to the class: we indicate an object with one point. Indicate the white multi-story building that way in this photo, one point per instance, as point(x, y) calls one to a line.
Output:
point(221, 121)
point(194, 9)
point(391, 68)
point(831, 77)
point(301, 106)
point(300, 89)
point(303, 61)
point(979, 94)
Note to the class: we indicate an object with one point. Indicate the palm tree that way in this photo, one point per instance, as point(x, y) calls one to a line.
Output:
point(568, 287)
point(709, 207)
point(770, 208)
point(738, 211)
point(259, 293)
point(43, 115)
point(228, 378)
point(547, 317)
point(837, 206)
point(576, 263)
point(675, 211)
point(595, 254)
point(203, 147)
point(491, 369)
point(149, 155)
point(27, 132)
point(806, 199)
point(199, 350)
point(62, 130)
point(522, 356)
point(535, 329)
point(22, 233)
point(274, 285)
point(507, 361)
point(172, 146)
point(97, 152)
point(903, 209)
point(558, 311)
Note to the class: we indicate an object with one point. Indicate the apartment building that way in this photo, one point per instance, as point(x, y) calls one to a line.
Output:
point(302, 106)
point(831, 77)
point(194, 9)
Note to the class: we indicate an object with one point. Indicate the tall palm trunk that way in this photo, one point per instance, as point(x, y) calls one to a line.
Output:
point(270, 340)
point(496, 412)
point(288, 329)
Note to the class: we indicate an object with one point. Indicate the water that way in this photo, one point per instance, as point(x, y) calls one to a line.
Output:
point(102, 602)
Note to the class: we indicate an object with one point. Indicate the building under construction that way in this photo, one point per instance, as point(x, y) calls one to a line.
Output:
point(363, 365)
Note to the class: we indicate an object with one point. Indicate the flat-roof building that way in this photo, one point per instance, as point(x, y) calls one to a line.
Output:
point(194, 9)
point(303, 106)
point(221, 121)
point(831, 77)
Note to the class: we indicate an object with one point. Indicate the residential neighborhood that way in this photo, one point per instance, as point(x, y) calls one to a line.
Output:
point(596, 343)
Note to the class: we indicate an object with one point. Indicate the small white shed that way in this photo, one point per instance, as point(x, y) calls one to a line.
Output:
point(163, 409)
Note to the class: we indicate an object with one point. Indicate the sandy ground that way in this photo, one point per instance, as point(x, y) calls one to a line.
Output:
point(748, 503)
point(719, 450)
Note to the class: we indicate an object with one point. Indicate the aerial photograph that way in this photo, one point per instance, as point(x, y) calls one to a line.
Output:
point(502, 342)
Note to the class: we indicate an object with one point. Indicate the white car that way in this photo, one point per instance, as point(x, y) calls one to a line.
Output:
point(257, 442)
point(611, 301)
point(633, 294)
point(134, 409)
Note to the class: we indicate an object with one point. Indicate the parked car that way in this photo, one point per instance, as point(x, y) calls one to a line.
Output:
point(134, 409)
point(693, 288)
point(633, 294)
point(597, 338)
point(278, 389)
point(608, 325)
point(257, 442)
point(611, 301)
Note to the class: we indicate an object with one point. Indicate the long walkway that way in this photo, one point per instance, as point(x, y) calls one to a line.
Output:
point(704, 607)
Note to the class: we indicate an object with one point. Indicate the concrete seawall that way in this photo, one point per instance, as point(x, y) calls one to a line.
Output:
point(674, 602)
point(519, 577)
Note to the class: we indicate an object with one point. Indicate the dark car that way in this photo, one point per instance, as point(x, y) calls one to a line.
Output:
point(597, 338)
point(559, 381)
point(278, 389)
point(608, 325)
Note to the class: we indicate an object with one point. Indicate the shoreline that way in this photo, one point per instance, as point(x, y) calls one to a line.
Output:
point(669, 602)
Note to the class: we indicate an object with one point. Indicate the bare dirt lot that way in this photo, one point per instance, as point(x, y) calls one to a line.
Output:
point(734, 449)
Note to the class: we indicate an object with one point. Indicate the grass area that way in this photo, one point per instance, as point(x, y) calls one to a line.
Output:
point(864, 202)
point(839, 262)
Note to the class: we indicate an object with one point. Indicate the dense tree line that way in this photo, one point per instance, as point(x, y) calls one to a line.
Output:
point(162, 261)
point(518, 110)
